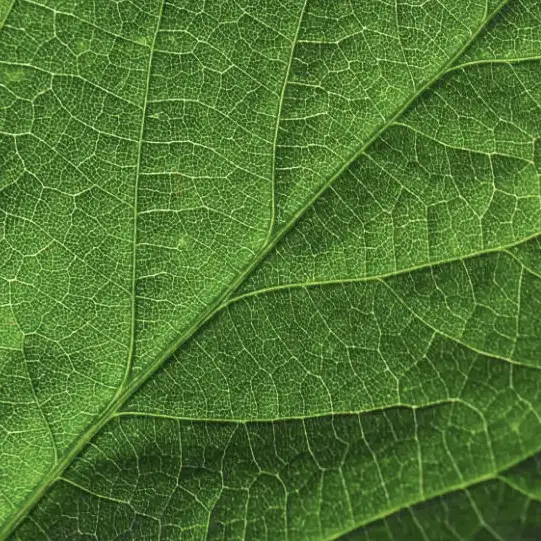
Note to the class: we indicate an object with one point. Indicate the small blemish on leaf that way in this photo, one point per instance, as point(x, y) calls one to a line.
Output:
point(12, 75)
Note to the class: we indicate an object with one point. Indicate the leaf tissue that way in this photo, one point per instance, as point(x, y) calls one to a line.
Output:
point(270, 270)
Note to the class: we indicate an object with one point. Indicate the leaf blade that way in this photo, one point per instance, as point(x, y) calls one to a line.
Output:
point(478, 340)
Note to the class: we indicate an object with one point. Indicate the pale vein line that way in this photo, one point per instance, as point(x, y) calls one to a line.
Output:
point(46, 422)
point(85, 21)
point(464, 149)
point(479, 481)
point(277, 126)
point(374, 277)
point(454, 338)
point(8, 11)
point(514, 486)
point(381, 408)
point(131, 352)
point(493, 61)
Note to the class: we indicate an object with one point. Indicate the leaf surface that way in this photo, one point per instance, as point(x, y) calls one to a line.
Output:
point(270, 270)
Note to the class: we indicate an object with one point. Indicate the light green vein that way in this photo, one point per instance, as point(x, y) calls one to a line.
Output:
point(5, 9)
point(135, 204)
point(399, 272)
point(277, 126)
point(493, 61)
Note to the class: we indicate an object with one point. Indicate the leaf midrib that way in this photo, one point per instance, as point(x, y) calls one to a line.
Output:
point(129, 388)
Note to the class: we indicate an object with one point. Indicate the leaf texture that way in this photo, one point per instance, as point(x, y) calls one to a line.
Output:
point(270, 269)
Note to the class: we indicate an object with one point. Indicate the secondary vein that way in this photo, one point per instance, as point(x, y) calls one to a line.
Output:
point(131, 351)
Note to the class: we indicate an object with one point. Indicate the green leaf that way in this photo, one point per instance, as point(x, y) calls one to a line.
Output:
point(270, 270)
